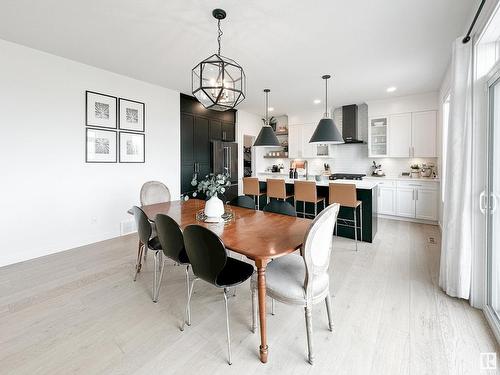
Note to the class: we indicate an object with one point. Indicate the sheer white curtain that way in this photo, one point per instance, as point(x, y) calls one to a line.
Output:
point(456, 250)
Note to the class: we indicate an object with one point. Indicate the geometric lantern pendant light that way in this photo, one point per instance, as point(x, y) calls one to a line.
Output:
point(266, 136)
point(326, 132)
point(218, 82)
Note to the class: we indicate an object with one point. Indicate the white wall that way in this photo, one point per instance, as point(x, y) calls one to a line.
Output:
point(53, 200)
point(403, 104)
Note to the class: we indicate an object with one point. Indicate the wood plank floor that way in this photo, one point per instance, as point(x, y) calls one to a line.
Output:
point(80, 312)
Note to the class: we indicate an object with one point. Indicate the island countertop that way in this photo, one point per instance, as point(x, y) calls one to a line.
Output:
point(360, 184)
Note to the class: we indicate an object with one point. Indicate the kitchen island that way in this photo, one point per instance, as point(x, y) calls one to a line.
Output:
point(366, 191)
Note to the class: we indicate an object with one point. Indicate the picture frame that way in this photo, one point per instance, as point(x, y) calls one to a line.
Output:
point(100, 145)
point(101, 110)
point(132, 147)
point(132, 115)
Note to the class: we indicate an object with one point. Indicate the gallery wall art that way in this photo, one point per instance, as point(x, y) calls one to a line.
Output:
point(114, 129)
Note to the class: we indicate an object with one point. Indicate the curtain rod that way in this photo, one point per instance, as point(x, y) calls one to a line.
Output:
point(467, 37)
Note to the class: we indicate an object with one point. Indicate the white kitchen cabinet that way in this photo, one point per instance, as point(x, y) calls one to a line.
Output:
point(378, 136)
point(386, 200)
point(294, 141)
point(400, 135)
point(423, 134)
point(405, 202)
point(426, 204)
point(308, 149)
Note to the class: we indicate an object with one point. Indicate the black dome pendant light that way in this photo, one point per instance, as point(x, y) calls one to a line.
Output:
point(326, 132)
point(218, 82)
point(266, 136)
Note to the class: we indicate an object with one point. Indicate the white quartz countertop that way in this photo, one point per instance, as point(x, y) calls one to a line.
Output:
point(401, 178)
point(363, 184)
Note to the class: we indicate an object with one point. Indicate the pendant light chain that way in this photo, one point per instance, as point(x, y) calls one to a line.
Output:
point(219, 36)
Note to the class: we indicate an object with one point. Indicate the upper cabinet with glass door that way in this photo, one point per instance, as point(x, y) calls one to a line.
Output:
point(378, 136)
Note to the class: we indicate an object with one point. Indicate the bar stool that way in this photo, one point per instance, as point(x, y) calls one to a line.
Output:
point(251, 187)
point(276, 188)
point(345, 195)
point(305, 191)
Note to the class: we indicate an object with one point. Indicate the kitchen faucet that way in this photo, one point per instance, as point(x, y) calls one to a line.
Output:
point(306, 167)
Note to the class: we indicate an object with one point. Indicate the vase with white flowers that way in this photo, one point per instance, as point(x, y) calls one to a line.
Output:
point(212, 185)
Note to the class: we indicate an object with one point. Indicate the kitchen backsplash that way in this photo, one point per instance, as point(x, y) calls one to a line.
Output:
point(354, 159)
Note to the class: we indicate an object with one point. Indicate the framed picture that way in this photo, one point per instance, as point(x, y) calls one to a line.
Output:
point(100, 146)
point(132, 147)
point(132, 116)
point(100, 110)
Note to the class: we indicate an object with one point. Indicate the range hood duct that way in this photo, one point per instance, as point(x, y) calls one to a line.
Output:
point(350, 124)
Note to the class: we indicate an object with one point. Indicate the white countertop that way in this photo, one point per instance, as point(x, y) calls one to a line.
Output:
point(363, 184)
point(401, 178)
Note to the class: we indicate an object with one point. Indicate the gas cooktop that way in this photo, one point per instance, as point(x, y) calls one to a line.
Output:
point(346, 176)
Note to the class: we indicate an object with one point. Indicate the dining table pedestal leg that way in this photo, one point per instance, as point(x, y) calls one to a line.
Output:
point(261, 289)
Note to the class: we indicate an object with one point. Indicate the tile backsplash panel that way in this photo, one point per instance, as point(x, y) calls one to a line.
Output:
point(353, 158)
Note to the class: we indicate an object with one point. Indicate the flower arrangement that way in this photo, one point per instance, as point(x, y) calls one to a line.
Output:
point(211, 185)
point(415, 166)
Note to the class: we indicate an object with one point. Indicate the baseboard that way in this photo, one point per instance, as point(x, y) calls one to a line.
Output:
point(490, 318)
point(413, 220)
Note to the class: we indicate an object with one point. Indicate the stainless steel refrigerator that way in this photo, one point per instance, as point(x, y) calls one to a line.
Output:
point(225, 160)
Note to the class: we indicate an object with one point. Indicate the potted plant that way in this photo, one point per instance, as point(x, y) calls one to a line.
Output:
point(212, 185)
point(415, 170)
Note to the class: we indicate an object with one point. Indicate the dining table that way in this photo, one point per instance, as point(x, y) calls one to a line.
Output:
point(259, 236)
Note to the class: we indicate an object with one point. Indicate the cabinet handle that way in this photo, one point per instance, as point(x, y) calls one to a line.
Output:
point(416, 191)
point(412, 151)
point(413, 195)
point(224, 135)
point(409, 151)
point(482, 202)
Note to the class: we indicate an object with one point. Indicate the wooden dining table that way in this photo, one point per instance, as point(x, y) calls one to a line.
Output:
point(259, 236)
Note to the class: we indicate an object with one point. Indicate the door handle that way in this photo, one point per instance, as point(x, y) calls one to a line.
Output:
point(482, 202)
point(229, 161)
point(493, 203)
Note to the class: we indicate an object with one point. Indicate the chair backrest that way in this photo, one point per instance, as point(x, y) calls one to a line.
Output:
point(170, 236)
point(243, 201)
point(206, 252)
point(280, 207)
point(305, 191)
point(343, 194)
point(276, 188)
point(251, 186)
point(143, 225)
point(154, 192)
point(317, 247)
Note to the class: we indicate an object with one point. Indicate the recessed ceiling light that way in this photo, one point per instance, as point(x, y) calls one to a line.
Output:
point(317, 101)
point(271, 109)
point(391, 89)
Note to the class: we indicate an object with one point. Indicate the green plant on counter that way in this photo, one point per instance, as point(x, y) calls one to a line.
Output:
point(415, 166)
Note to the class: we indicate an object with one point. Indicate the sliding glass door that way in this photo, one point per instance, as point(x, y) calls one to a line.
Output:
point(490, 201)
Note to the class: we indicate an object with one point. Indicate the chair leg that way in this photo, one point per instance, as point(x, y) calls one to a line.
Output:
point(355, 229)
point(138, 265)
point(254, 309)
point(158, 285)
point(188, 308)
point(315, 209)
point(309, 334)
point(227, 326)
point(272, 306)
point(328, 301)
point(361, 220)
point(155, 276)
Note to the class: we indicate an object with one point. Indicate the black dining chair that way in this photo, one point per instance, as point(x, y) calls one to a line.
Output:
point(280, 207)
point(172, 243)
point(210, 263)
point(243, 201)
point(148, 243)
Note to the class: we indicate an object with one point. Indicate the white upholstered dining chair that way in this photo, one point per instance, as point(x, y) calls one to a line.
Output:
point(303, 279)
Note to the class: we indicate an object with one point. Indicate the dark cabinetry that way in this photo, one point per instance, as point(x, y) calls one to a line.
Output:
point(198, 127)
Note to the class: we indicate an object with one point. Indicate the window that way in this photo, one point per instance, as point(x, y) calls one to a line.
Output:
point(446, 120)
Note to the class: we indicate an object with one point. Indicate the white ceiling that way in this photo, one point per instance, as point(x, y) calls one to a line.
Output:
point(366, 45)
